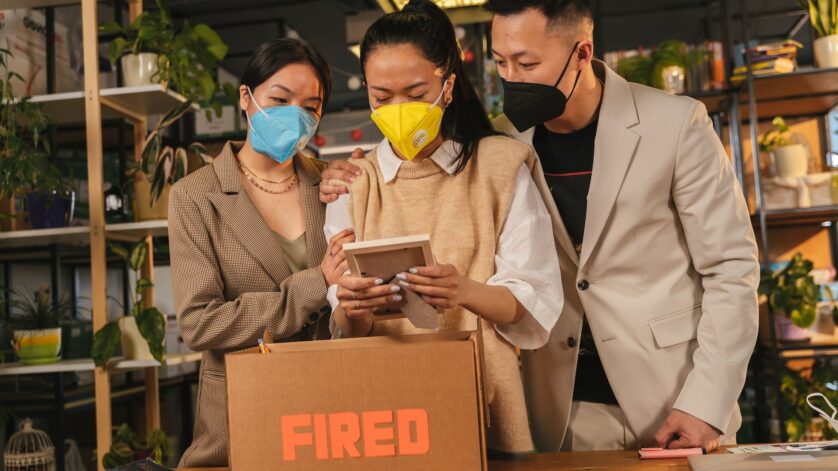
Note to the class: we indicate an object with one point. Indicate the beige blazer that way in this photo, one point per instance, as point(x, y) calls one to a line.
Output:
point(667, 274)
point(231, 283)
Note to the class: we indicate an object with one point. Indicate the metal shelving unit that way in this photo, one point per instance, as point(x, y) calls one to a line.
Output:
point(808, 92)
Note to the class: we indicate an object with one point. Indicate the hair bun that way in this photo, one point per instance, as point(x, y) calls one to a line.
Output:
point(431, 9)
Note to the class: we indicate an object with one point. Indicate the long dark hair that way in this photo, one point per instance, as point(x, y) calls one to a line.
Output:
point(424, 25)
point(273, 55)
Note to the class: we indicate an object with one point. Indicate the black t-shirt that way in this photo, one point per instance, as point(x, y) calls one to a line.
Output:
point(568, 161)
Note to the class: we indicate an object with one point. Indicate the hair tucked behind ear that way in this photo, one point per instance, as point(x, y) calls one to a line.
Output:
point(425, 26)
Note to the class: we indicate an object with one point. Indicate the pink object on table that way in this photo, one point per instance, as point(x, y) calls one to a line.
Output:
point(655, 453)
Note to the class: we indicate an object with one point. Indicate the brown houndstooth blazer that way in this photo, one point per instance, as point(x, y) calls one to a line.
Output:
point(231, 282)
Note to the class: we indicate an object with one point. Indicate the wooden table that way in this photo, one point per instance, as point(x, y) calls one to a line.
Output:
point(583, 460)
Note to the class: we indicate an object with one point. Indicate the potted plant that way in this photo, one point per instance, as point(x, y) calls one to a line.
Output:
point(793, 297)
point(664, 67)
point(160, 167)
point(142, 334)
point(127, 447)
point(151, 50)
point(794, 387)
point(824, 17)
point(25, 170)
point(790, 158)
point(37, 327)
point(139, 47)
point(187, 60)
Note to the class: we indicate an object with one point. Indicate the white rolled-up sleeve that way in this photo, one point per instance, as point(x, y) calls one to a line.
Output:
point(527, 264)
point(337, 220)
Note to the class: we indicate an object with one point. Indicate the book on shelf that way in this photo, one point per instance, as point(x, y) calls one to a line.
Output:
point(780, 65)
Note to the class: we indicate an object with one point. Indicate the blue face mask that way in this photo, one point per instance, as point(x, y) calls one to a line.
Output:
point(280, 131)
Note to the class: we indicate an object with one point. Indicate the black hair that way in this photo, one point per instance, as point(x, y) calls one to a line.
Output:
point(424, 25)
point(558, 12)
point(273, 55)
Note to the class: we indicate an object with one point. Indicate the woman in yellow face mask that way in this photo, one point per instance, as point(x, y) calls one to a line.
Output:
point(443, 171)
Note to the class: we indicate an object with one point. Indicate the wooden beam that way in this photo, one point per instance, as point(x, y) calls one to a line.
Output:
point(95, 188)
point(124, 111)
point(152, 385)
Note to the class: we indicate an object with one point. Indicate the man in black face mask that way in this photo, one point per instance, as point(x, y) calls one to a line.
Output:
point(658, 257)
point(659, 261)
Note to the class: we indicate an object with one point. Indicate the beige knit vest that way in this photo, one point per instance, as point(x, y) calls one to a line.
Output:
point(464, 214)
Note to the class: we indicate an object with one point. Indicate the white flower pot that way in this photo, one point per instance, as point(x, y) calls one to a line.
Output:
point(134, 346)
point(140, 69)
point(791, 161)
point(826, 51)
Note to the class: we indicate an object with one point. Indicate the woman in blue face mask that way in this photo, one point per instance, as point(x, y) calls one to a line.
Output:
point(248, 254)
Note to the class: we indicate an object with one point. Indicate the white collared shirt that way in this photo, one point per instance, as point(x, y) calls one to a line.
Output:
point(526, 261)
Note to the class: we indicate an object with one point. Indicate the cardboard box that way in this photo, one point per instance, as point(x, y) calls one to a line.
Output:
point(372, 404)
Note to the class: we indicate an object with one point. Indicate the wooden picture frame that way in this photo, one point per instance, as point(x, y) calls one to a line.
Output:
point(385, 258)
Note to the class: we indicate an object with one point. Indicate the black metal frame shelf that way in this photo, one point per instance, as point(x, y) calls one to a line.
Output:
point(805, 93)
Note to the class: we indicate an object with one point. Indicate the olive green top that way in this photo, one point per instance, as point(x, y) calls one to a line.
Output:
point(294, 251)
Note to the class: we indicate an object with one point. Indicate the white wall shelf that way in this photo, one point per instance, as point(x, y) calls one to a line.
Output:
point(80, 235)
point(117, 365)
point(130, 102)
point(9, 4)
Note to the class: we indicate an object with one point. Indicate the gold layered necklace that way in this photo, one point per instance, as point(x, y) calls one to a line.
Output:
point(251, 176)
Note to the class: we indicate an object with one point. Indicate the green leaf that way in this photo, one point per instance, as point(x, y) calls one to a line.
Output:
point(152, 325)
point(105, 343)
point(779, 299)
point(180, 165)
point(207, 84)
point(144, 283)
point(138, 254)
point(110, 27)
point(151, 150)
point(118, 250)
point(174, 114)
point(803, 317)
point(117, 49)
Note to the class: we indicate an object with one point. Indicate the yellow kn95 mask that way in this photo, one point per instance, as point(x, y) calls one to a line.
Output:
point(409, 126)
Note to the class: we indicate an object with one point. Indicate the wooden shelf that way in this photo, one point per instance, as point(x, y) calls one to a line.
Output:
point(80, 235)
point(132, 231)
point(805, 92)
point(116, 365)
point(819, 345)
point(146, 100)
point(42, 237)
point(798, 216)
